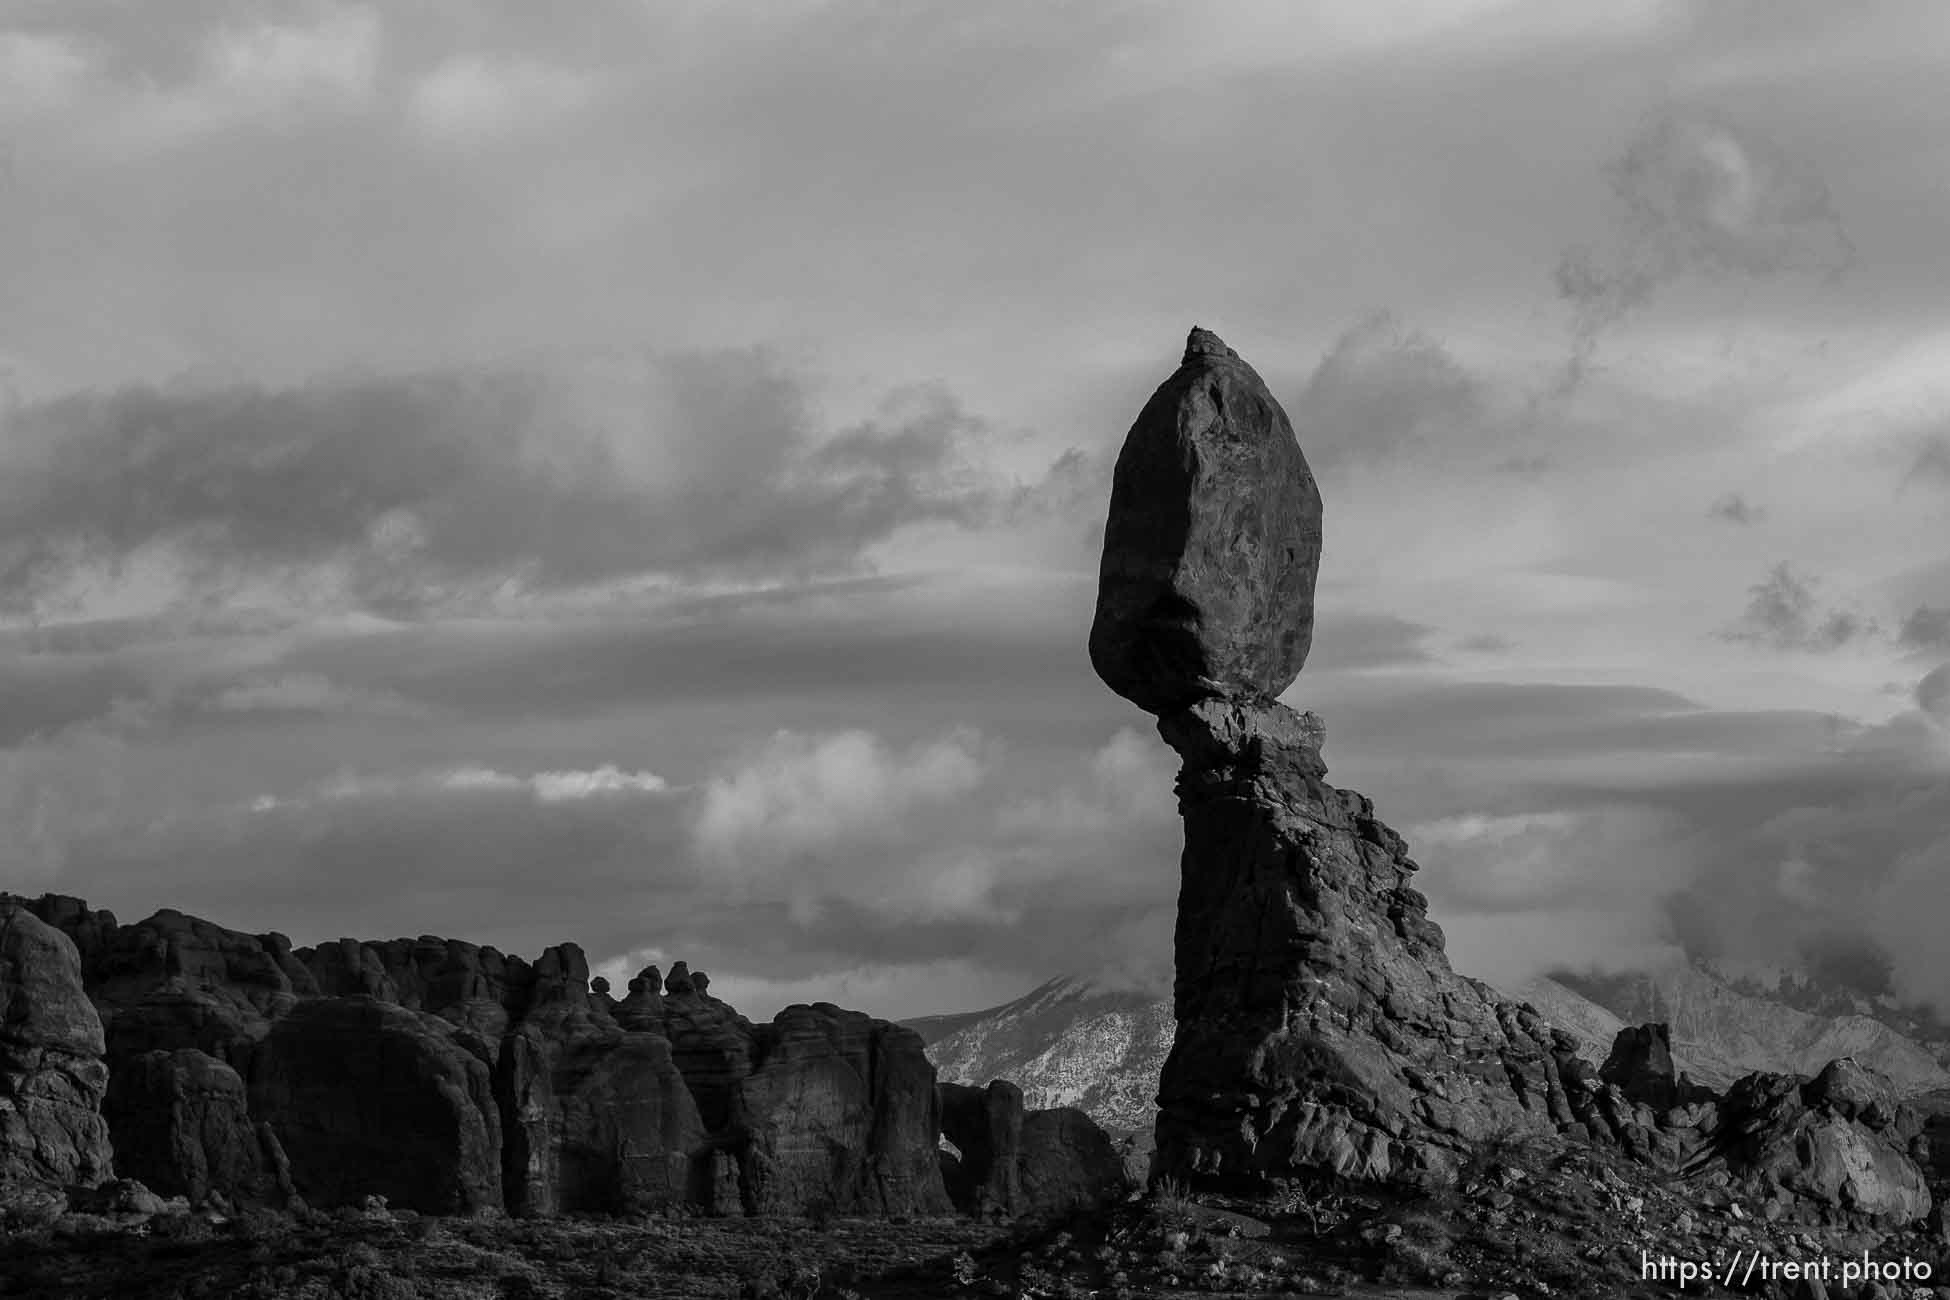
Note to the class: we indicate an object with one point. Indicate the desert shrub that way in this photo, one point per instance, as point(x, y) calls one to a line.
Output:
point(1170, 1199)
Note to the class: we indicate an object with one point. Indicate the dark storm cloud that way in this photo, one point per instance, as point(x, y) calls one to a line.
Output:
point(415, 490)
point(1385, 392)
point(1933, 694)
point(1697, 194)
point(1735, 509)
point(1783, 614)
point(1932, 463)
point(1926, 628)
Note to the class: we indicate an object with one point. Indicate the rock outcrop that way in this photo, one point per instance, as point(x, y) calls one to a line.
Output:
point(182, 1127)
point(52, 1072)
point(1838, 1147)
point(821, 1109)
point(369, 1097)
point(1212, 546)
point(1012, 1163)
point(450, 1078)
point(1320, 1026)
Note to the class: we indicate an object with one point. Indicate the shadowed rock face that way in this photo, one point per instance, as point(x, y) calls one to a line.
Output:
point(52, 1076)
point(445, 1076)
point(182, 1127)
point(1212, 545)
point(1320, 1027)
point(1014, 1162)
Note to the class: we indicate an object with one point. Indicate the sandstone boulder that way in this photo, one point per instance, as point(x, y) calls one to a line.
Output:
point(1068, 1163)
point(1032, 1164)
point(370, 1097)
point(985, 1125)
point(52, 1073)
point(181, 1125)
point(1212, 545)
point(595, 1118)
point(839, 1113)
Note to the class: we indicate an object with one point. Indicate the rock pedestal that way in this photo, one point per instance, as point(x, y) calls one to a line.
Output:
point(1320, 1028)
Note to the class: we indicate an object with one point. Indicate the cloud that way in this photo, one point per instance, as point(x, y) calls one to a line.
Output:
point(1697, 194)
point(1782, 614)
point(263, 63)
point(1932, 461)
point(818, 814)
point(1120, 790)
point(1735, 509)
point(1521, 892)
point(1926, 628)
point(309, 693)
point(545, 787)
point(39, 72)
point(1933, 694)
point(470, 98)
point(1384, 393)
point(399, 494)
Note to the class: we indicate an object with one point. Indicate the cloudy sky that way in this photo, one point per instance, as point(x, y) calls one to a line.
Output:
point(634, 473)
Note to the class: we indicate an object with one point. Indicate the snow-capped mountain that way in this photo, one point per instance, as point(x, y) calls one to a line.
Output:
point(1070, 1042)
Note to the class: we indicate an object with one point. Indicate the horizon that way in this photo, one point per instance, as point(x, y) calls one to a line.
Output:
point(638, 479)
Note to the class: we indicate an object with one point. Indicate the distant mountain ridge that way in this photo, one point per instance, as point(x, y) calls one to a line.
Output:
point(1722, 1030)
point(1069, 1042)
point(1073, 1041)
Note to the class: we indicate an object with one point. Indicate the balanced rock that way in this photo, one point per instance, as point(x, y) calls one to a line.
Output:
point(1212, 545)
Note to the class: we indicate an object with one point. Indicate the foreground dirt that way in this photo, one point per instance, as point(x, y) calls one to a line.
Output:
point(1577, 1226)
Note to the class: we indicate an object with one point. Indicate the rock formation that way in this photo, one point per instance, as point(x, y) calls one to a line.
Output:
point(1012, 1163)
point(1319, 1024)
point(1213, 542)
point(52, 1074)
point(182, 1127)
point(450, 1078)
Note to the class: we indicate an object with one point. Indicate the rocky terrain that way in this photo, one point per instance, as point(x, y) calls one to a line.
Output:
point(1723, 1031)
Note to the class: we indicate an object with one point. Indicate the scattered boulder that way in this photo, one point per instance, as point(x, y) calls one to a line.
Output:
point(1212, 545)
point(123, 1198)
point(1839, 1145)
point(52, 1072)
